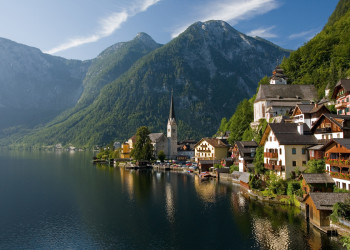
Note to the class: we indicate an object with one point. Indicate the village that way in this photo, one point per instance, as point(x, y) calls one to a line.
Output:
point(304, 149)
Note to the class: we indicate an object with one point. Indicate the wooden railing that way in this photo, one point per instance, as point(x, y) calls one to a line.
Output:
point(270, 155)
point(274, 167)
point(338, 163)
point(341, 105)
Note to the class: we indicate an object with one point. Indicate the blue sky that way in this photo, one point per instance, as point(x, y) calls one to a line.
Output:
point(81, 29)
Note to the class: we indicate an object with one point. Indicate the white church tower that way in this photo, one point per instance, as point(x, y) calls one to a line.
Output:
point(172, 132)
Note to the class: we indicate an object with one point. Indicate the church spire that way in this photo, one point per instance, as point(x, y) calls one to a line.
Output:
point(172, 111)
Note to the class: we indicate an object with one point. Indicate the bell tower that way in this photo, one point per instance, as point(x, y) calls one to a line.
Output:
point(172, 131)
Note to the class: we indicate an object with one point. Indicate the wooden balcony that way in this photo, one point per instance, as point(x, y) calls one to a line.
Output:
point(323, 130)
point(341, 105)
point(270, 155)
point(338, 163)
point(274, 167)
point(343, 176)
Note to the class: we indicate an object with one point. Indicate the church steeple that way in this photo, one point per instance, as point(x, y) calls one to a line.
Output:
point(172, 111)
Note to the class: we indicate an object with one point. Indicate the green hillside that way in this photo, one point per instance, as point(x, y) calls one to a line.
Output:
point(210, 68)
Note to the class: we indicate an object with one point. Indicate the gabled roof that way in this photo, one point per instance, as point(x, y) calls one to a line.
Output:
point(325, 201)
point(245, 146)
point(286, 92)
point(338, 120)
point(287, 134)
point(310, 108)
point(318, 178)
point(217, 143)
point(345, 142)
point(343, 83)
point(155, 137)
point(244, 177)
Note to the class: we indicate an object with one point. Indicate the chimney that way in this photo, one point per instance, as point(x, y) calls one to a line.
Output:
point(316, 105)
point(301, 128)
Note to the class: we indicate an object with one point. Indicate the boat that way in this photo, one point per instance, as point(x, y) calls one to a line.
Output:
point(204, 176)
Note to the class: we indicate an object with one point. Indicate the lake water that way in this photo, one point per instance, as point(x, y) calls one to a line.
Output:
point(53, 200)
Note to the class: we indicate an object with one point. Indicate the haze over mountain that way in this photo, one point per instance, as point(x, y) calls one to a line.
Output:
point(210, 67)
point(35, 87)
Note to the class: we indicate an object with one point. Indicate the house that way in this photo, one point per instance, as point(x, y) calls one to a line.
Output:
point(329, 126)
point(205, 165)
point(308, 113)
point(285, 147)
point(278, 99)
point(185, 149)
point(317, 183)
point(337, 159)
point(211, 149)
point(244, 152)
point(341, 94)
point(316, 152)
point(318, 206)
point(125, 151)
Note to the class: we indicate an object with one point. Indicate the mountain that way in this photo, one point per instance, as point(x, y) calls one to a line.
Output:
point(325, 58)
point(107, 67)
point(210, 67)
point(35, 87)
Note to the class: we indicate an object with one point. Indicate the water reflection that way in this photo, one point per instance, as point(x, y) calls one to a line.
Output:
point(170, 206)
point(205, 190)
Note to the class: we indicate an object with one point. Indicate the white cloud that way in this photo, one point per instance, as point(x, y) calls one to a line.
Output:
point(263, 32)
point(107, 26)
point(231, 11)
point(309, 34)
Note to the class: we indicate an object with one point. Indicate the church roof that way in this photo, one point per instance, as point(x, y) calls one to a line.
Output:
point(286, 92)
point(172, 110)
point(155, 137)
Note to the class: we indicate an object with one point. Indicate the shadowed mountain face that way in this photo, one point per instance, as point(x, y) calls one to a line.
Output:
point(210, 68)
point(35, 87)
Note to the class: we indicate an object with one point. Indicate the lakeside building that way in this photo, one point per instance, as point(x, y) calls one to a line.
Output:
point(279, 98)
point(285, 147)
point(160, 142)
point(209, 151)
point(185, 150)
point(341, 94)
point(318, 207)
point(243, 153)
point(317, 183)
point(337, 159)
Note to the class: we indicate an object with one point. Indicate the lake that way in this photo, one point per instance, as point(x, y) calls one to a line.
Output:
point(61, 200)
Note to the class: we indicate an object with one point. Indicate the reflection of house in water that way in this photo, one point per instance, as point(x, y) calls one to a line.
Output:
point(170, 204)
point(205, 190)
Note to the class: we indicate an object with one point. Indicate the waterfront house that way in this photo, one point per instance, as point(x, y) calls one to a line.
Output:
point(318, 206)
point(185, 149)
point(341, 94)
point(243, 153)
point(285, 147)
point(211, 149)
point(308, 113)
point(125, 151)
point(317, 183)
point(329, 126)
point(278, 98)
point(337, 159)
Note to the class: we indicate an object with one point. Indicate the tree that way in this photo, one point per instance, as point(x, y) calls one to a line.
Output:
point(143, 149)
point(316, 166)
point(161, 155)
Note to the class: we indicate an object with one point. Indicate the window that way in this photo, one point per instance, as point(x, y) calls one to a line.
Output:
point(347, 99)
point(270, 138)
point(280, 151)
point(304, 163)
point(303, 151)
point(347, 110)
point(294, 151)
point(294, 163)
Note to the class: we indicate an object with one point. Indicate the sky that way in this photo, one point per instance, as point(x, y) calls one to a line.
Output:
point(81, 29)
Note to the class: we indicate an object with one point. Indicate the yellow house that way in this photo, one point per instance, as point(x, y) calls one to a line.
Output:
point(125, 151)
point(210, 149)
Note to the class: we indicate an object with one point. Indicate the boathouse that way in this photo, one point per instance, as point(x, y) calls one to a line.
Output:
point(318, 207)
point(317, 183)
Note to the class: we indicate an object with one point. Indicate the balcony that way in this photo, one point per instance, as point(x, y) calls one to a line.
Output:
point(274, 167)
point(344, 176)
point(341, 105)
point(338, 163)
point(323, 130)
point(270, 155)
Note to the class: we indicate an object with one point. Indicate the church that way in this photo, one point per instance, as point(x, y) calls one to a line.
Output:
point(160, 142)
